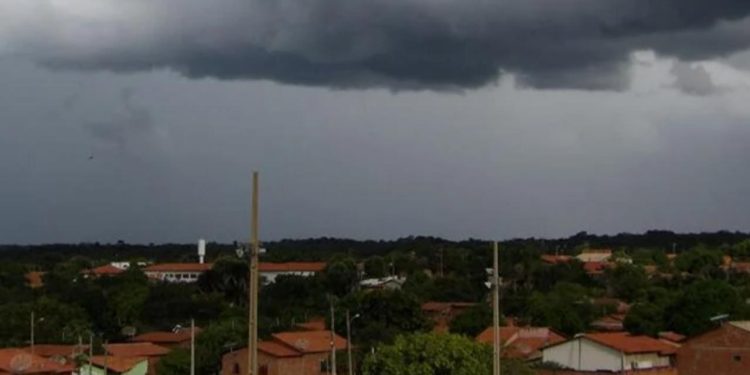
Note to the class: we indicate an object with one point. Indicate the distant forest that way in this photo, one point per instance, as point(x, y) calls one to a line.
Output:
point(323, 248)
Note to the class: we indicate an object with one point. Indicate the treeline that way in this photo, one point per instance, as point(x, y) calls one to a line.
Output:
point(315, 249)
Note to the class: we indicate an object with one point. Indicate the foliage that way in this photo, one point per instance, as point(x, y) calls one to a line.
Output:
point(692, 311)
point(430, 354)
point(473, 321)
point(54, 321)
point(567, 308)
point(176, 362)
point(627, 281)
point(383, 314)
point(341, 275)
point(376, 267)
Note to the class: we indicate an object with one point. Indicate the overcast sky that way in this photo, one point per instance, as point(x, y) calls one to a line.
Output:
point(142, 120)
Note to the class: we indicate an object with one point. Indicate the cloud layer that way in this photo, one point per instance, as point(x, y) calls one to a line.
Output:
point(399, 44)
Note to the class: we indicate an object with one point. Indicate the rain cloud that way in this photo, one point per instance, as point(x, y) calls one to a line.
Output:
point(397, 44)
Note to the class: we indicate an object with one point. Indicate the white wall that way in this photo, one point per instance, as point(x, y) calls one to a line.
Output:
point(592, 356)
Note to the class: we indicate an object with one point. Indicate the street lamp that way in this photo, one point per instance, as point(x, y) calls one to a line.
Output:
point(349, 321)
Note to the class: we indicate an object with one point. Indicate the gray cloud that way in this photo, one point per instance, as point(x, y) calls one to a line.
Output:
point(693, 80)
point(414, 44)
point(130, 122)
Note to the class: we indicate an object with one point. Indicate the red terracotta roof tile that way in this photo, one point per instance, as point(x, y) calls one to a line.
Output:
point(277, 349)
point(14, 360)
point(179, 267)
point(35, 279)
point(116, 363)
point(522, 342)
point(316, 324)
point(46, 350)
point(166, 337)
point(631, 344)
point(433, 306)
point(105, 270)
point(292, 267)
point(136, 349)
point(555, 259)
point(310, 341)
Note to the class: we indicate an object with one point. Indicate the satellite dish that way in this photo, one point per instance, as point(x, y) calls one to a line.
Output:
point(20, 363)
point(240, 251)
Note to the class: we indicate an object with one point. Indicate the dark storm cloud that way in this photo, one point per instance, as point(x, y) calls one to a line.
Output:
point(129, 122)
point(404, 44)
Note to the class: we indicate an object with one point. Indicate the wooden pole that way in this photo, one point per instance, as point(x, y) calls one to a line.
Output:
point(252, 339)
point(495, 312)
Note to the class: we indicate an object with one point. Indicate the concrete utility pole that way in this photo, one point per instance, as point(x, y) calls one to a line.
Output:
point(333, 340)
point(349, 341)
point(252, 335)
point(495, 312)
point(192, 346)
point(91, 352)
point(32, 332)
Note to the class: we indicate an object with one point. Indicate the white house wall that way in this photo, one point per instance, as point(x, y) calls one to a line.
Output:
point(592, 356)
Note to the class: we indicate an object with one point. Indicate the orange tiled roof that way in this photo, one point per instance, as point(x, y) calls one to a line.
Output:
point(310, 341)
point(179, 267)
point(35, 279)
point(316, 324)
point(116, 363)
point(136, 349)
point(594, 267)
point(522, 342)
point(433, 306)
point(672, 336)
point(277, 349)
point(13, 359)
point(631, 344)
point(555, 259)
point(166, 337)
point(292, 267)
point(57, 350)
point(105, 270)
point(597, 251)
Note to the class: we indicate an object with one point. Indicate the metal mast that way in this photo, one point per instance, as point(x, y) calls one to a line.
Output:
point(252, 289)
point(495, 312)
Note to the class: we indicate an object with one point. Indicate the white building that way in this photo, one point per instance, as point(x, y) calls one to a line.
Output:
point(176, 272)
point(270, 271)
point(388, 282)
point(595, 255)
point(614, 352)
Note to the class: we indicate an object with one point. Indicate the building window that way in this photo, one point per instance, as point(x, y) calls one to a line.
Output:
point(737, 358)
point(236, 368)
point(263, 370)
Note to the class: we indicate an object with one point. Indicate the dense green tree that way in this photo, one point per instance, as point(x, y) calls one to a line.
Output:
point(566, 308)
point(54, 321)
point(435, 354)
point(228, 276)
point(473, 321)
point(176, 362)
point(341, 275)
point(692, 311)
point(701, 262)
point(430, 354)
point(627, 281)
point(383, 314)
point(645, 318)
point(376, 267)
